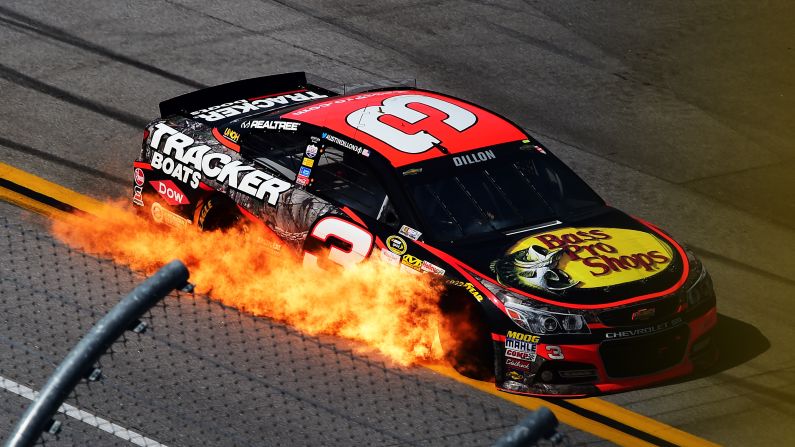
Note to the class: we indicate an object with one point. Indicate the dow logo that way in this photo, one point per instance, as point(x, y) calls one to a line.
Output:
point(170, 192)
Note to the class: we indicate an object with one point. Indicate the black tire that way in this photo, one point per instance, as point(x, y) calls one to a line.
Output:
point(217, 213)
point(465, 336)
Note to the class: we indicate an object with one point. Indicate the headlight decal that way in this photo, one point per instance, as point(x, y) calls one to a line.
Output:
point(536, 320)
point(543, 322)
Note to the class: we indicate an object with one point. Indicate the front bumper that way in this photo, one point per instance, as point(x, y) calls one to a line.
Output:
point(612, 365)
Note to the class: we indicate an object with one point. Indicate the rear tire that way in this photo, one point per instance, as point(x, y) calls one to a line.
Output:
point(218, 213)
point(465, 336)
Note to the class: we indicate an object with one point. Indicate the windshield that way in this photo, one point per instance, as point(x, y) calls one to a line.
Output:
point(497, 189)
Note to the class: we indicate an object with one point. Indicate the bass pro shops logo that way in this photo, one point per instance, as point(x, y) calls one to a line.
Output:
point(583, 258)
point(537, 266)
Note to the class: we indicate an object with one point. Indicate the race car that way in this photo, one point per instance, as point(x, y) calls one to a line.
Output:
point(548, 291)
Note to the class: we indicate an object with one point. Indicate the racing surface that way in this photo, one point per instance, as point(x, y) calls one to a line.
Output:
point(676, 112)
point(205, 374)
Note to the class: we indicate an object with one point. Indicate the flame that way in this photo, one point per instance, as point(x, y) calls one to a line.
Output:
point(371, 302)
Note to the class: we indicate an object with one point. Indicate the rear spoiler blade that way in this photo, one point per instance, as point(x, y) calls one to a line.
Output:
point(247, 88)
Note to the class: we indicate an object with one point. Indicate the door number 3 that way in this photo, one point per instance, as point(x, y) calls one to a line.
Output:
point(360, 240)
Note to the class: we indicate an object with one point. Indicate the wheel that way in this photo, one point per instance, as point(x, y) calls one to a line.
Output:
point(465, 336)
point(217, 213)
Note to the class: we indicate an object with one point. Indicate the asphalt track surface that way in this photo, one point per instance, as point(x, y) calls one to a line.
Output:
point(204, 374)
point(678, 112)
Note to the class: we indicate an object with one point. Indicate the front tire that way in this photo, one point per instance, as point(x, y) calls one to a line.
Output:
point(465, 336)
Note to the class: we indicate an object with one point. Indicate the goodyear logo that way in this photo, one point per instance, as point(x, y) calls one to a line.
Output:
point(523, 337)
point(468, 286)
point(471, 289)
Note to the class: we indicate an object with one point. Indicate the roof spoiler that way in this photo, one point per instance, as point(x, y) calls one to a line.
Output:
point(247, 88)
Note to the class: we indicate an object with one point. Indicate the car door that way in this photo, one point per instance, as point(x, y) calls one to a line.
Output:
point(364, 211)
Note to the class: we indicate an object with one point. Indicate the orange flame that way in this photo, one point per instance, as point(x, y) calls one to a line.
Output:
point(371, 302)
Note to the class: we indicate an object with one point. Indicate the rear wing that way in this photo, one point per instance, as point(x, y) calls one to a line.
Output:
point(223, 103)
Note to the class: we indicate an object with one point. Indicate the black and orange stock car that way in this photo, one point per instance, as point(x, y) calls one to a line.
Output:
point(559, 293)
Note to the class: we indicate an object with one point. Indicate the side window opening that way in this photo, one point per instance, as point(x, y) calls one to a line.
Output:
point(281, 151)
point(337, 174)
point(388, 214)
point(347, 179)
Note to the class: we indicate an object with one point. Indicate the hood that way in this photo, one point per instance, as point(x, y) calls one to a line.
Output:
point(599, 259)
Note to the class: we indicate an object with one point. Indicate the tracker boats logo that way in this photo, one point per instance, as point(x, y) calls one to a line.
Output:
point(189, 163)
point(582, 257)
point(249, 106)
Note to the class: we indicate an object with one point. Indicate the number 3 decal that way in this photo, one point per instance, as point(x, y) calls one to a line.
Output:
point(554, 352)
point(366, 120)
point(360, 239)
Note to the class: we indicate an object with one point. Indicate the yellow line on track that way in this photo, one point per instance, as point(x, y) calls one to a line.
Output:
point(28, 203)
point(646, 424)
point(531, 403)
point(599, 406)
point(49, 189)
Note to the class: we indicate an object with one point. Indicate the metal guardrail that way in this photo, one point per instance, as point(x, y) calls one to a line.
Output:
point(79, 363)
point(540, 424)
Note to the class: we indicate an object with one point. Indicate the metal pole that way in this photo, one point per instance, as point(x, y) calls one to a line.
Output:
point(93, 345)
point(541, 424)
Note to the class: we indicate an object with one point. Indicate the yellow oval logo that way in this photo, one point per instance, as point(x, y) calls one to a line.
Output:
point(582, 257)
point(396, 245)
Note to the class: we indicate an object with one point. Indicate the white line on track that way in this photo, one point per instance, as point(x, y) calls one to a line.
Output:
point(83, 416)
